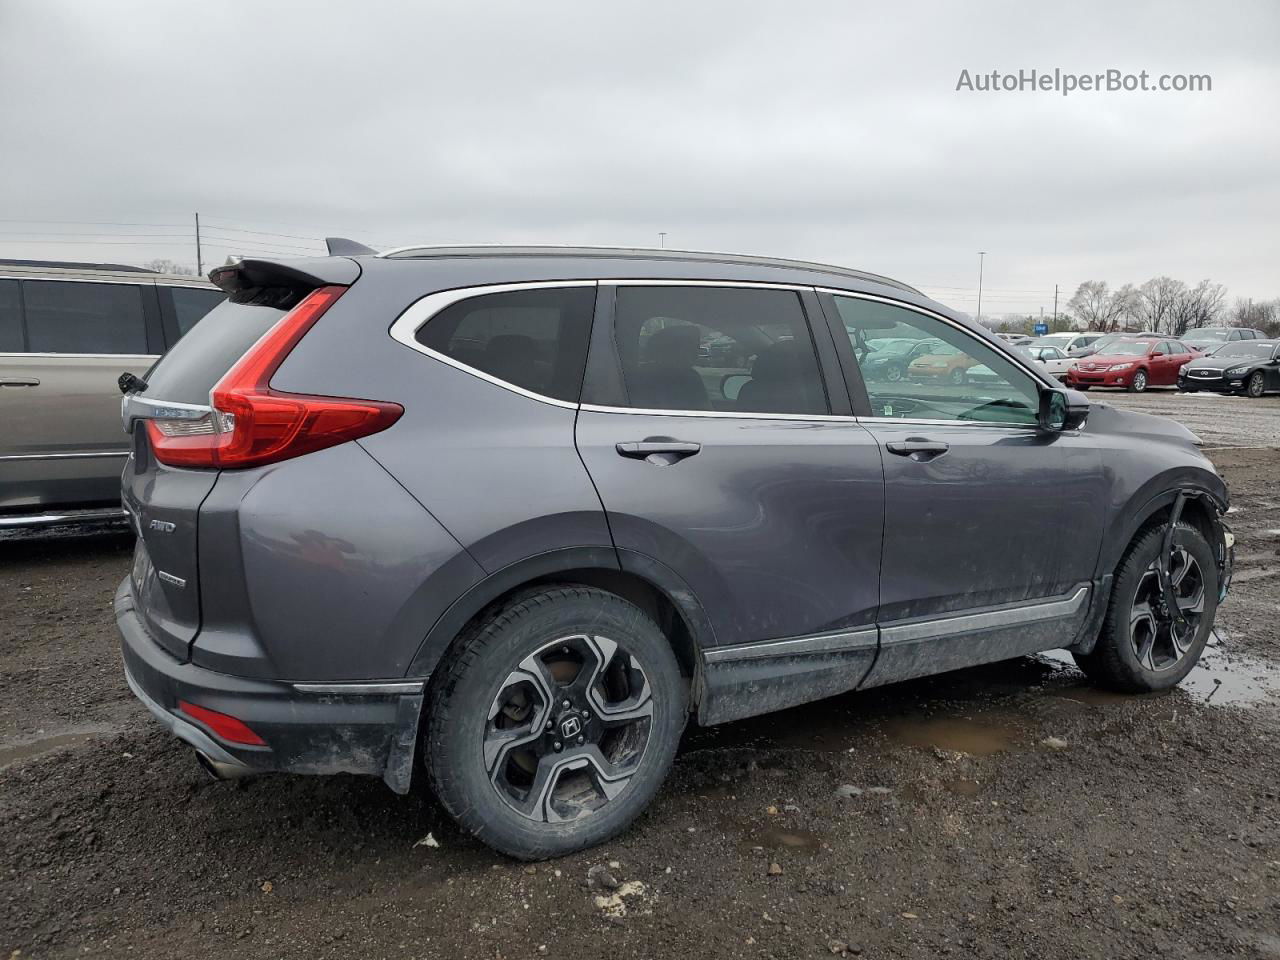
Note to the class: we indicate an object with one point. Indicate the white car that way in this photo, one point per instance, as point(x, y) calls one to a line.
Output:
point(1055, 362)
point(1066, 342)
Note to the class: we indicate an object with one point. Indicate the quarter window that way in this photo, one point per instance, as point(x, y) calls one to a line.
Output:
point(101, 318)
point(916, 367)
point(191, 304)
point(10, 317)
point(731, 349)
point(534, 339)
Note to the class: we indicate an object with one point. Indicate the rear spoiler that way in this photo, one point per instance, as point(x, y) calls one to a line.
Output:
point(302, 275)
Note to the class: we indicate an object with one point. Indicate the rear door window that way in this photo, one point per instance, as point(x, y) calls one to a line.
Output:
point(85, 318)
point(717, 348)
point(11, 317)
point(534, 339)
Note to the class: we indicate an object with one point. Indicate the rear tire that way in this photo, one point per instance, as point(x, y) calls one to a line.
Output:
point(553, 723)
point(1136, 652)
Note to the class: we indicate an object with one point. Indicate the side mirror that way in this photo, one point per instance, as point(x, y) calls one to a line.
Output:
point(731, 384)
point(1062, 409)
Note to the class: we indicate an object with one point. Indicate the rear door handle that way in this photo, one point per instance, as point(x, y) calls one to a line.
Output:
point(660, 452)
point(917, 448)
point(19, 382)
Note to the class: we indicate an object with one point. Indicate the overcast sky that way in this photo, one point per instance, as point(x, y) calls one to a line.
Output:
point(828, 131)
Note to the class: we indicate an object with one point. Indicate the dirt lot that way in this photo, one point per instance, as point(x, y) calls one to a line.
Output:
point(1003, 811)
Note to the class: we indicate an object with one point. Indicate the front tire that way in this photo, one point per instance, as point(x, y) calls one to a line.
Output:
point(1139, 382)
point(1256, 386)
point(553, 723)
point(1138, 651)
point(957, 376)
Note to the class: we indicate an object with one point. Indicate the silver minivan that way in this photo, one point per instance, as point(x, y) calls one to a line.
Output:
point(67, 332)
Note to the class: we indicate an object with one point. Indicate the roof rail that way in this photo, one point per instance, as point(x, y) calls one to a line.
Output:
point(641, 253)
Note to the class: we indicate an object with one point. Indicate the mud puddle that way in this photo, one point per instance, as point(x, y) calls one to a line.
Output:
point(26, 749)
point(979, 737)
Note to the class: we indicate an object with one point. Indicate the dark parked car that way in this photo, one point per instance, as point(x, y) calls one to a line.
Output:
point(481, 511)
point(1209, 339)
point(1134, 364)
point(890, 361)
point(1251, 367)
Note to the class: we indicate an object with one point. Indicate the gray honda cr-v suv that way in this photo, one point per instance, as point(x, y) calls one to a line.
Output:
point(517, 513)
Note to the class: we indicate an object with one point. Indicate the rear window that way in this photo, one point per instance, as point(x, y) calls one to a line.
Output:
point(533, 339)
point(189, 370)
point(98, 318)
point(10, 317)
point(190, 304)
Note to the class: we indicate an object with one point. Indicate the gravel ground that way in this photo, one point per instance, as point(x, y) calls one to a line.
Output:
point(1003, 811)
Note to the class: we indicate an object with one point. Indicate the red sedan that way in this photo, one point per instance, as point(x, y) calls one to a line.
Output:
point(1133, 364)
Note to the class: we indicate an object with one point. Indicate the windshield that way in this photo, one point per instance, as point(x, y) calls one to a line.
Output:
point(1247, 348)
point(1134, 348)
point(1205, 336)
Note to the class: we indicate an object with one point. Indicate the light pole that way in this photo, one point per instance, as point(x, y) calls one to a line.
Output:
point(662, 239)
point(981, 256)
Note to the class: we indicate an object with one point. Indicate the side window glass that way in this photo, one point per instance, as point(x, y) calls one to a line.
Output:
point(916, 367)
point(1162, 349)
point(73, 317)
point(717, 348)
point(10, 317)
point(190, 304)
point(533, 339)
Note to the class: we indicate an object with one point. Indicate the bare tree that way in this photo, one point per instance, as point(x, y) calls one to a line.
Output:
point(1156, 302)
point(169, 266)
point(1095, 307)
point(1198, 306)
point(1261, 315)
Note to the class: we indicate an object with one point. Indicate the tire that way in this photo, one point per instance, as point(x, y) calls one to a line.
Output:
point(957, 376)
point(1115, 661)
point(1139, 382)
point(1256, 386)
point(1083, 388)
point(893, 373)
point(521, 664)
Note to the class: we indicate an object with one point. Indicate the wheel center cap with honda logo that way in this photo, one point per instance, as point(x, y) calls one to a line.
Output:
point(570, 727)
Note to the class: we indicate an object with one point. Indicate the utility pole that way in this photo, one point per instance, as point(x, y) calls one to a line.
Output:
point(662, 239)
point(981, 256)
point(1055, 306)
point(199, 258)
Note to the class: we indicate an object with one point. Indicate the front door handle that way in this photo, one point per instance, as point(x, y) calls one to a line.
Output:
point(917, 448)
point(19, 382)
point(660, 451)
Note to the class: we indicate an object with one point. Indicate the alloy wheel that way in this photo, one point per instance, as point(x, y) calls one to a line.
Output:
point(1139, 381)
point(1256, 385)
point(893, 373)
point(1158, 643)
point(568, 728)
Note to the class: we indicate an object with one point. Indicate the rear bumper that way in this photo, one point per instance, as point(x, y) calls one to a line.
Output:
point(358, 727)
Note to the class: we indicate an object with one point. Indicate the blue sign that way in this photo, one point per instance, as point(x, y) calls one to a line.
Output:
point(1040, 329)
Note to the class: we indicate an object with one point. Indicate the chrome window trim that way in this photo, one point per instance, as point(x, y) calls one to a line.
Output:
point(405, 327)
point(1012, 615)
point(720, 414)
point(140, 282)
point(749, 284)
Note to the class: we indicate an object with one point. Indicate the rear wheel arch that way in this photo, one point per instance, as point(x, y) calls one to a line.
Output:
point(648, 584)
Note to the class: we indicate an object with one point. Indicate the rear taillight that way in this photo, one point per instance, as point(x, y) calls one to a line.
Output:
point(252, 424)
